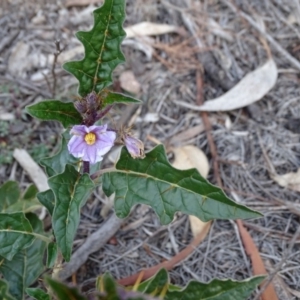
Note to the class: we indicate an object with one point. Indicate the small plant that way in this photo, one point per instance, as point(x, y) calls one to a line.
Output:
point(75, 171)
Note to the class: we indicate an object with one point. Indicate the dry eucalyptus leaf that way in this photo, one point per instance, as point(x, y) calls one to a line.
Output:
point(34, 171)
point(251, 88)
point(148, 28)
point(289, 180)
point(18, 62)
point(129, 83)
point(188, 157)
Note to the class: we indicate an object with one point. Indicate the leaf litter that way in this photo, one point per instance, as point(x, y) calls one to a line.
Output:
point(166, 76)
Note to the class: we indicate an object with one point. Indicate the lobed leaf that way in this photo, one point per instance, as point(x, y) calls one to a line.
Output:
point(71, 190)
point(15, 234)
point(102, 48)
point(55, 110)
point(27, 264)
point(154, 182)
point(9, 194)
point(56, 164)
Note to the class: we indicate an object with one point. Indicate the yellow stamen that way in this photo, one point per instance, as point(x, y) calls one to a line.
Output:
point(90, 138)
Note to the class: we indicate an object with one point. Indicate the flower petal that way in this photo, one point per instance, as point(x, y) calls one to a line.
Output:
point(79, 130)
point(76, 146)
point(98, 129)
point(105, 142)
point(91, 154)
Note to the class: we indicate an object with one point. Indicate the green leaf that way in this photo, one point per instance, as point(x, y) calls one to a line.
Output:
point(56, 164)
point(30, 193)
point(51, 254)
point(55, 110)
point(71, 190)
point(25, 204)
point(102, 48)
point(155, 284)
point(153, 181)
point(109, 290)
point(27, 264)
point(47, 199)
point(37, 294)
point(112, 98)
point(15, 234)
point(216, 290)
point(64, 292)
point(4, 294)
point(9, 194)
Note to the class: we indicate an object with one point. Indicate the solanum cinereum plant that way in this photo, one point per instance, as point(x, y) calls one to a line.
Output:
point(75, 171)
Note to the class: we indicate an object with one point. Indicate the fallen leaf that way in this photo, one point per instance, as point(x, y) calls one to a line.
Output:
point(256, 260)
point(32, 169)
point(129, 83)
point(289, 180)
point(251, 88)
point(148, 28)
point(17, 61)
point(188, 157)
point(143, 44)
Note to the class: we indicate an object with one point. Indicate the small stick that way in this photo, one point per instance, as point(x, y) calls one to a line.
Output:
point(92, 244)
point(208, 128)
point(168, 265)
point(56, 55)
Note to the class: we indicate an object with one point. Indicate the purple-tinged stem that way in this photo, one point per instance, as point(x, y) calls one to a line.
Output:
point(103, 112)
point(86, 167)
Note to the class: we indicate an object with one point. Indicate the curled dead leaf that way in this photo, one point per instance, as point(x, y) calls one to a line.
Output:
point(188, 157)
point(289, 180)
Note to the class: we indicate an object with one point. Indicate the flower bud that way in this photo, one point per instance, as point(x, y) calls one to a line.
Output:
point(92, 102)
point(80, 106)
point(134, 146)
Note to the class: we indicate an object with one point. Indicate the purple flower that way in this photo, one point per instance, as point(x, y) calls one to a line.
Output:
point(134, 146)
point(91, 143)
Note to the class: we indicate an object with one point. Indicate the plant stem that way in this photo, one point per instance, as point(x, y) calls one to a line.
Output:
point(86, 167)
